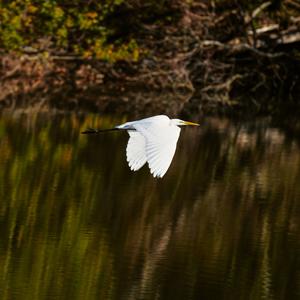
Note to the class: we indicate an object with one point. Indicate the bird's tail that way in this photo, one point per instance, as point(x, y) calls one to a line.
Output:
point(95, 131)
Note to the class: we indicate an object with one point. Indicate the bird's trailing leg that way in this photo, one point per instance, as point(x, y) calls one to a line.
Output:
point(94, 131)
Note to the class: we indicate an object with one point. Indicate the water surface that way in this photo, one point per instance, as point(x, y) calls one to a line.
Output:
point(76, 223)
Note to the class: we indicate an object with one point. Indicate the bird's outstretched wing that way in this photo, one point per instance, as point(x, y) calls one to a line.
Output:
point(136, 151)
point(160, 145)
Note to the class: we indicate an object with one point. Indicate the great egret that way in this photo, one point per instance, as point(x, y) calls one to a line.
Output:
point(152, 140)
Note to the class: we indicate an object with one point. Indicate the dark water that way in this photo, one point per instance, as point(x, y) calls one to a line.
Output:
point(76, 223)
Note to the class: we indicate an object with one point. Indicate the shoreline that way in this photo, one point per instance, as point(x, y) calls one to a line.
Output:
point(47, 84)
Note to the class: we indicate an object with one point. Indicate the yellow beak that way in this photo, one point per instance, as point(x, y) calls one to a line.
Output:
point(191, 123)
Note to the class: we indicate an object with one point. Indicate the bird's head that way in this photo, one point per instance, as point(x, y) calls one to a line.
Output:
point(178, 122)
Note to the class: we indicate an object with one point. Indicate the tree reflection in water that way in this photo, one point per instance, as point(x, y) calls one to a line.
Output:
point(76, 223)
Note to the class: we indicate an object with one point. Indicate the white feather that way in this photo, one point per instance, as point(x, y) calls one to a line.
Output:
point(160, 145)
point(135, 151)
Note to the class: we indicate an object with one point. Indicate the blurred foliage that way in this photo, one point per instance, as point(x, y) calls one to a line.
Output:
point(100, 29)
point(76, 223)
point(72, 27)
point(107, 29)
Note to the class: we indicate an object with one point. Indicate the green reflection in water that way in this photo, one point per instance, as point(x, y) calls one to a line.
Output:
point(76, 223)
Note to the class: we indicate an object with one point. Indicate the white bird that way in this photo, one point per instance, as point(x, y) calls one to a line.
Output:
point(151, 140)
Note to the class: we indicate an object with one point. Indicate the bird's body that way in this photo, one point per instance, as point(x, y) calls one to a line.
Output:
point(151, 140)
